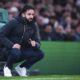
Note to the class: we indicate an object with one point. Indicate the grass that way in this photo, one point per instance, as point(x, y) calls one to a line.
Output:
point(46, 77)
point(60, 58)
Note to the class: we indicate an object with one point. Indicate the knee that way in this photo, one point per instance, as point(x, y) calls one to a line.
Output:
point(15, 53)
point(40, 55)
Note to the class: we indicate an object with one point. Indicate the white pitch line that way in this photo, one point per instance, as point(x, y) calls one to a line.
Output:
point(65, 78)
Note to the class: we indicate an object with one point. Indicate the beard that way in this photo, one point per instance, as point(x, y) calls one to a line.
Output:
point(30, 20)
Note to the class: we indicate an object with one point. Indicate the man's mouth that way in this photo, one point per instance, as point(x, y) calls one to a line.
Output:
point(30, 19)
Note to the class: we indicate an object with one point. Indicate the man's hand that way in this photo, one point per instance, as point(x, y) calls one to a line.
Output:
point(33, 43)
point(18, 46)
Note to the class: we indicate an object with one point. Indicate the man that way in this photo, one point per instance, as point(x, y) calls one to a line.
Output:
point(19, 37)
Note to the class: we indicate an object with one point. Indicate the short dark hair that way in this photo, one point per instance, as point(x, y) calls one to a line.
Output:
point(25, 8)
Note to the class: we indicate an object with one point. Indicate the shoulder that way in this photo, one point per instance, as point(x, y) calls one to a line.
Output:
point(11, 22)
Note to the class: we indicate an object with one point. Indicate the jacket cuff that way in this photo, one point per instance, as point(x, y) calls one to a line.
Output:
point(37, 45)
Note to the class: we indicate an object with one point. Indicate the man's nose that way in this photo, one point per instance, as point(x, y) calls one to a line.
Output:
point(31, 16)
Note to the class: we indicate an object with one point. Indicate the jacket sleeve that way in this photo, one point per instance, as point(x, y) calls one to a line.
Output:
point(36, 36)
point(4, 33)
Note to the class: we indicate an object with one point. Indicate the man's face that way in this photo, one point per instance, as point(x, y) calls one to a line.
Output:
point(29, 15)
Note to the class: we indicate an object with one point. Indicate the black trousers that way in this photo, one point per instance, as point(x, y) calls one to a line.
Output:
point(31, 56)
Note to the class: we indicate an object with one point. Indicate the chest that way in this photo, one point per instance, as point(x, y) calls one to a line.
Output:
point(23, 30)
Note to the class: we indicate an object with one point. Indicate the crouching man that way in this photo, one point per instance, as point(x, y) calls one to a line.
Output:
point(19, 37)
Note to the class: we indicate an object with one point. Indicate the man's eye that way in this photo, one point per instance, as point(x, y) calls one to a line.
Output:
point(30, 14)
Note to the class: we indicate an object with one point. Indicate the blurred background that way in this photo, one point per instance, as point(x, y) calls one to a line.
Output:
point(57, 20)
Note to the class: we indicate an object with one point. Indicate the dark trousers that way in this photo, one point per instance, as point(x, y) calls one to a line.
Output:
point(30, 56)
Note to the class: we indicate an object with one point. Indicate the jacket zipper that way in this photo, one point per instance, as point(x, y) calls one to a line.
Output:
point(23, 34)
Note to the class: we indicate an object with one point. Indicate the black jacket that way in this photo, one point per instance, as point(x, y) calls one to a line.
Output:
point(19, 31)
